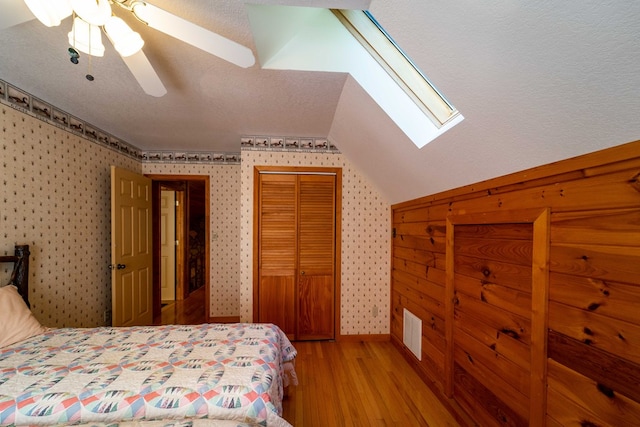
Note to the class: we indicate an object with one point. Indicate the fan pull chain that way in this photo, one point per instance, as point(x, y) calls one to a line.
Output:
point(73, 53)
point(89, 76)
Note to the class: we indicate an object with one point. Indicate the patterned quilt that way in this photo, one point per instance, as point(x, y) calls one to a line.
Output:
point(196, 374)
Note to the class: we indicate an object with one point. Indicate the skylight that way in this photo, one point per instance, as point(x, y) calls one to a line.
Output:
point(351, 41)
point(394, 60)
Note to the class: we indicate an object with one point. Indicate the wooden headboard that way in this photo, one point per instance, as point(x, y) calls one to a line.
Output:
point(20, 274)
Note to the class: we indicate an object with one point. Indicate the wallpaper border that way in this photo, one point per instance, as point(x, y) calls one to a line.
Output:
point(31, 105)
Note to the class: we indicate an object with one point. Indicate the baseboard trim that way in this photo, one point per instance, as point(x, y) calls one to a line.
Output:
point(228, 319)
point(363, 338)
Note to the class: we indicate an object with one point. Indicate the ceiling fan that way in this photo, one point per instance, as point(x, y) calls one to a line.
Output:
point(91, 18)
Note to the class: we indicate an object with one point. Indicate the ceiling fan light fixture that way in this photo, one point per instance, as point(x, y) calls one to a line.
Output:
point(49, 12)
point(92, 11)
point(126, 41)
point(86, 38)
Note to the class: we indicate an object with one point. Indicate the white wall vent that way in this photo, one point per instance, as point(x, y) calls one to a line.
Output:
point(412, 335)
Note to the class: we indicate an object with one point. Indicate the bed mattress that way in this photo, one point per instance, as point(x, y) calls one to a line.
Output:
point(212, 374)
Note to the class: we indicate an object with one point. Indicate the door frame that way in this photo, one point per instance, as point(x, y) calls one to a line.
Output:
point(156, 181)
point(300, 170)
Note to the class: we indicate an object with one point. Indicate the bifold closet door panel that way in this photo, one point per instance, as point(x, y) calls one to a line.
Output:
point(316, 257)
point(277, 257)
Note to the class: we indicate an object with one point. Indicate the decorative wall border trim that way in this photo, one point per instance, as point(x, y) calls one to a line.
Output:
point(190, 157)
point(280, 143)
point(31, 105)
point(28, 104)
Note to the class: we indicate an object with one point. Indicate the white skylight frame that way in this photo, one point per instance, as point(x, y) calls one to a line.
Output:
point(315, 39)
point(375, 39)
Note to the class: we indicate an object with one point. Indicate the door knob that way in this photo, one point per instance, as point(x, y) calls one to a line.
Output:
point(121, 266)
point(302, 273)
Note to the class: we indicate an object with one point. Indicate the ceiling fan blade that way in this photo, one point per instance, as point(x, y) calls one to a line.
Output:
point(13, 13)
point(194, 35)
point(144, 73)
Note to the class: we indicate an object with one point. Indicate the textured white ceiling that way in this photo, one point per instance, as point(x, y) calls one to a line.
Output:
point(536, 82)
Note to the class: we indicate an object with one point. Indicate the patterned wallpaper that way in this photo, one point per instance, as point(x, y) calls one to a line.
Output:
point(49, 113)
point(366, 240)
point(55, 196)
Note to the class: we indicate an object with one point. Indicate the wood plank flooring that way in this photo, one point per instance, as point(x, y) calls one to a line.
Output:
point(360, 384)
point(189, 311)
point(344, 383)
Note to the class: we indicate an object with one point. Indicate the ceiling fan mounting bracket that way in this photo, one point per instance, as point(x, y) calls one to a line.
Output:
point(125, 4)
point(132, 5)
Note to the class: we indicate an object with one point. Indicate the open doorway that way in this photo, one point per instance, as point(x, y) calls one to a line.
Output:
point(181, 246)
point(172, 241)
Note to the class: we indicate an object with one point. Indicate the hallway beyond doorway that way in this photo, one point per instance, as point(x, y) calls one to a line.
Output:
point(190, 311)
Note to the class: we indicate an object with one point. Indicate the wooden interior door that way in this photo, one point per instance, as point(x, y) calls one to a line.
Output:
point(278, 247)
point(296, 256)
point(131, 251)
point(316, 257)
point(168, 240)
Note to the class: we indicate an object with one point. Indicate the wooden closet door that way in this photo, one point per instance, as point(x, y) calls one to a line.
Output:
point(297, 252)
point(277, 252)
point(316, 257)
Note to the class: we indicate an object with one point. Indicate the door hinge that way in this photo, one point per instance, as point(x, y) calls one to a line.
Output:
point(177, 203)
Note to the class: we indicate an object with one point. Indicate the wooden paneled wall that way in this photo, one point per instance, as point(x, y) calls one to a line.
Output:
point(528, 287)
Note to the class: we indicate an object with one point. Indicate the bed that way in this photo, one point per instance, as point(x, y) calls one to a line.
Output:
point(211, 375)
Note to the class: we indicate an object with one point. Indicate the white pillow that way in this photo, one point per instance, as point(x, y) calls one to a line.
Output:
point(17, 323)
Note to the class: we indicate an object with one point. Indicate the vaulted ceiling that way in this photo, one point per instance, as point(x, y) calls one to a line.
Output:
point(536, 82)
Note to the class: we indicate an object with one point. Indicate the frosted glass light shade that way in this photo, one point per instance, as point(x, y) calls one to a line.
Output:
point(49, 12)
point(86, 38)
point(95, 13)
point(124, 39)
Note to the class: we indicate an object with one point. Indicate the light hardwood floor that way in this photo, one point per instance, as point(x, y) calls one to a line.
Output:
point(189, 311)
point(359, 384)
point(344, 383)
